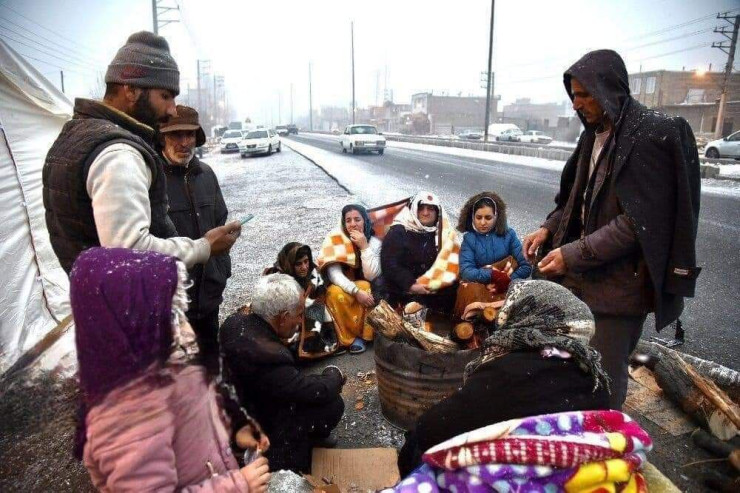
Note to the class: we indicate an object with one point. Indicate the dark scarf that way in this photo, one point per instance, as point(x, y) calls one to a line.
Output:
point(285, 263)
point(540, 314)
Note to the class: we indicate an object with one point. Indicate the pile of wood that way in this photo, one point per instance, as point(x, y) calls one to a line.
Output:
point(389, 323)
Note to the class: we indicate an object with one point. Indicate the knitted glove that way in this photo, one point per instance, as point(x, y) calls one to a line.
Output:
point(501, 280)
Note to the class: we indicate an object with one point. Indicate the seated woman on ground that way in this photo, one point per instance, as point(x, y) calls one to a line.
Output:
point(488, 241)
point(410, 249)
point(144, 396)
point(537, 361)
point(296, 260)
point(349, 261)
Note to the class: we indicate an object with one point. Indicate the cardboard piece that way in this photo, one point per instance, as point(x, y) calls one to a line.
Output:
point(320, 486)
point(646, 398)
point(356, 470)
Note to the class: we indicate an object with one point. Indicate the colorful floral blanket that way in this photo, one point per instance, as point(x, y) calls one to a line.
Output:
point(584, 451)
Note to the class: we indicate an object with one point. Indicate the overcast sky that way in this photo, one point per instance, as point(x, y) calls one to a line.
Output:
point(406, 46)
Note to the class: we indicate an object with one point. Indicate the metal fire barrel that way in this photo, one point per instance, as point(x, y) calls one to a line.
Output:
point(411, 380)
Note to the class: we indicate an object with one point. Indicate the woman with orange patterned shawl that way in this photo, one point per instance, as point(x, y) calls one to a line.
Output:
point(349, 260)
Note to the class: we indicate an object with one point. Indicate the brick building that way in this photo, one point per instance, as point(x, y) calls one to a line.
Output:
point(535, 116)
point(692, 95)
point(453, 114)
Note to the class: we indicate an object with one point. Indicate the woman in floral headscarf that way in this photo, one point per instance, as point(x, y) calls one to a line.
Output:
point(150, 419)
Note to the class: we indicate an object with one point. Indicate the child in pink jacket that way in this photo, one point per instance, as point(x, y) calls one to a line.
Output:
point(150, 418)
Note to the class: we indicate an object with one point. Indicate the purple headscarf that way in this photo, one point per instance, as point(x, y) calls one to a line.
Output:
point(122, 307)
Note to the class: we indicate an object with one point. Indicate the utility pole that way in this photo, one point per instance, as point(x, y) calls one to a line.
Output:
point(200, 101)
point(730, 50)
point(488, 76)
point(310, 100)
point(158, 22)
point(61, 73)
point(280, 108)
point(352, 33)
point(291, 102)
point(154, 17)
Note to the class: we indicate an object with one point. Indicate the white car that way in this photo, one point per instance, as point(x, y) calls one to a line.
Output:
point(282, 130)
point(535, 137)
point(263, 141)
point(230, 141)
point(510, 135)
point(362, 138)
point(728, 147)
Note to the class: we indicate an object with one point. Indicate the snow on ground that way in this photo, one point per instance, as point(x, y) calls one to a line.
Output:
point(730, 171)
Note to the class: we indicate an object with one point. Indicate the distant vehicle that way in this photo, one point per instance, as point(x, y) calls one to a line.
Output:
point(282, 130)
point(495, 129)
point(510, 135)
point(218, 131)
point(471, 135)
point(263, 141)
point(230, 141)
point(292, 129)
point(728, 147)
point(236, 126)
point(335, 131)
point(362, 138)
point(535, 137)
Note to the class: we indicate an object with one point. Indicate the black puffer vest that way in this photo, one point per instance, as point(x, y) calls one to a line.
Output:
point(69, 212)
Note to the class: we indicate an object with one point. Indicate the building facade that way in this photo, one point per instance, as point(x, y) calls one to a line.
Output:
point(452, 114)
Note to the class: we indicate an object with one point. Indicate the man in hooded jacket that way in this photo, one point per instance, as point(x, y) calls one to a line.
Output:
point(622, 235)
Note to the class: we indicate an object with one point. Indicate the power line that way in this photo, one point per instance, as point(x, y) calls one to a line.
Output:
point(695, 47)
point(46, 53)
point(81, 61)
point(677, 26)
point(674, 38)
point(47, 29)
point(53, 64)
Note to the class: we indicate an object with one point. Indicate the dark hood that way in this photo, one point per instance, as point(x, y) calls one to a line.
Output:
point(286, 260)
point(604, 75)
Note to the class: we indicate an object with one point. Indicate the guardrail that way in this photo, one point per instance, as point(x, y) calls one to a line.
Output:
point(709, 167)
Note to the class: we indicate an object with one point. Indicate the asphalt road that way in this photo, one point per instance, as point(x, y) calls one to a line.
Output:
point(710, 319)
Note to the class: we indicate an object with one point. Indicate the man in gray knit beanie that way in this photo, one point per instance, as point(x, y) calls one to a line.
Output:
point(104, 183)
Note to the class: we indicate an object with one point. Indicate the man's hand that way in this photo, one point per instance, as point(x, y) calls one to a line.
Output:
point(222, 238)
point(365, 299)
point(257, 475)
point(533, 241)
point(553, 264)
point(417, 288)
point(251, 436)
point(358, 238)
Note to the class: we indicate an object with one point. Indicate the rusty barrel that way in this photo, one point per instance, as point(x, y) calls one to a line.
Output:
point(411, 380)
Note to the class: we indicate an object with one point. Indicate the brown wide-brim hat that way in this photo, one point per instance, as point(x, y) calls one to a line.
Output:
point(186, 119)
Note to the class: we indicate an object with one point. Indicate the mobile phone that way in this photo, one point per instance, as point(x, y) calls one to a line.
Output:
point(246, 219)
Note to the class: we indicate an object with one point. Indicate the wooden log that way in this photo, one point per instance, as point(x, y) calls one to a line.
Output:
point(726, 378)
point(386, 321)
point(699, 397)
point(717, 447)
point(432, 342)
point(489, 314)
point(463, 331)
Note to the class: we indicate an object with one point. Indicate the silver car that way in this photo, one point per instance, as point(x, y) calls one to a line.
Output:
point(728, 147)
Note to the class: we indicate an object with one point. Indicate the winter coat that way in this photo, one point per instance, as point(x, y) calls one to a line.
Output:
point(161, 432)
point(69, 210)
point(196, 206)
point(636, 250)
point(406, 255)
point(265, 374)
point(480, 249)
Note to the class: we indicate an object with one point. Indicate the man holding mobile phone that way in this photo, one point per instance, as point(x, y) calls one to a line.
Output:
point(196, 205)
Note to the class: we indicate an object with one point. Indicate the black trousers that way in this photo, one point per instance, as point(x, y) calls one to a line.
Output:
point(294, 431)
point(206, 330)
point(615, 338)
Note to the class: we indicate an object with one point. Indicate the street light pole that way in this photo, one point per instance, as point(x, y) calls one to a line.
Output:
point(489, 76)
point(310, 100)
point(728, 70)
point(352, 33)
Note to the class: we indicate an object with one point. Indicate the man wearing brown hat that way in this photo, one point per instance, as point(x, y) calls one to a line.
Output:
point(103, 182)
point(196, 206)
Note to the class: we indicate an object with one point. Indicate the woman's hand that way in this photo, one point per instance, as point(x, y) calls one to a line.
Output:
point(417, 288)
point(257, 475)
point(473, 310)
point(251, 436)
point(358, 238)
point(364, 298)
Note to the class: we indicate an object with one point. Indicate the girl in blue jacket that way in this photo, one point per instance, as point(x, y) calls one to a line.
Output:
point(488, 240)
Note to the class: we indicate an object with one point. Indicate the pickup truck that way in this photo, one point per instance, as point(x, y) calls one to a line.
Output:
point(535, 137)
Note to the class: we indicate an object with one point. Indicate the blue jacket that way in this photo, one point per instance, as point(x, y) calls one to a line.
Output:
point(485, 249)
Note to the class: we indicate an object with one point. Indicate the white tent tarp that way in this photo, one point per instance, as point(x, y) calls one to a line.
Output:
point(33, 287)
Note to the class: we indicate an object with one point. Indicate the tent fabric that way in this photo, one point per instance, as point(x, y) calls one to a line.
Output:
point(34, 296)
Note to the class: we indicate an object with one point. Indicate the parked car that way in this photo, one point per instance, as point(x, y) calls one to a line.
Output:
point(282, 130)
point(535, 137)
point(292, 129)
point(471, 135)
point(263, 141)
point(510, 135)
point(728, 147)
point(230, 141)
point(362, 138)
point(496, 129)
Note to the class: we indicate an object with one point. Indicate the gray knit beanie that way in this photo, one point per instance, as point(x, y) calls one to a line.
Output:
point(145, 61)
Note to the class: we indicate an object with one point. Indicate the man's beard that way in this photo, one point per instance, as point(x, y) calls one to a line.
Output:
point(144, 112)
